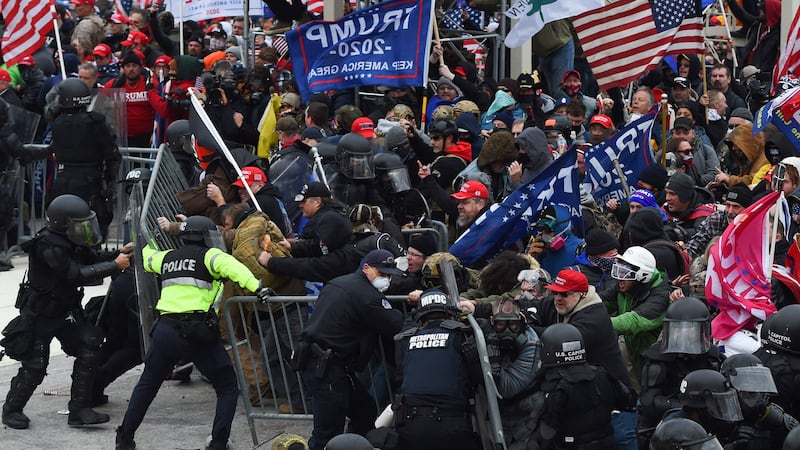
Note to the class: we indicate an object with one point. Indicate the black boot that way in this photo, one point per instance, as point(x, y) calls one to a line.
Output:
point(80, 413)
point(124, 441)
point(22, 387)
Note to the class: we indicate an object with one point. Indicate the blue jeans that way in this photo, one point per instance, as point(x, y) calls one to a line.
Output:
point(624, 424)
point(334, 397)
point(167, 348)
point(555, 64)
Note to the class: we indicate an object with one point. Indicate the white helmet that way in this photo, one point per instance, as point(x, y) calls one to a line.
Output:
point(779, 173)
point(637, 263)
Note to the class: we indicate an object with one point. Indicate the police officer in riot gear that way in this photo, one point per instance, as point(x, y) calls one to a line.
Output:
point(187, 324)
point(353, 182)
point(685, 346)
point(86, 151)
point(60, 262)
point(432, 412)
point(181, 143)
point(765, 424)
point(707, 398)
point(575, 398)
point(780, 352)
point(682, 434)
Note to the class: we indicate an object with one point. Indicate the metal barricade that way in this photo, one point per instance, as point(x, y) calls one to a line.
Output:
point(262, 338)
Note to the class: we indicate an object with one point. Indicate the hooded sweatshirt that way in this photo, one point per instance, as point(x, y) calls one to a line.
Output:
point(753, 149)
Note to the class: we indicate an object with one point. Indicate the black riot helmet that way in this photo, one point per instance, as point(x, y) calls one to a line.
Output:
point(709, 390)
point(682, 434)
point(434, 301)
point(752, 381)
point(73, 94)
point(200, 230)
point(686, 327)
point(136, 175)
point(391, 173)
point(179, 137)
point(781, 331)
point(562, 345)
point(443, 128)
point(70, 215)
point(354, 154)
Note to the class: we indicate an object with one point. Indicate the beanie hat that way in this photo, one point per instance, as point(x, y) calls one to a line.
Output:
point(444, 81)
point(740, 194)
point(506, 116)
point(683, 185)
point(395, 137)
point(654, 175)
point(510, 84)
point(742, 113)
point(599, 241)
point(425, 243)
point(131, 58)
point(644, 225)
point(235, 51)
point(646, 199)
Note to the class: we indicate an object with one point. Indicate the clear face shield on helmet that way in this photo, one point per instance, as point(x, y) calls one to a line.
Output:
point(213, 238)
point(84, 232)
point(753, 379)
point(690, 338)
point(396, 180)
point(724, 406)
point(710, 443)
point(357, 166)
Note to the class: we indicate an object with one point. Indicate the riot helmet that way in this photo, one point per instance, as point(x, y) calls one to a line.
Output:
point(562, 345)
point(779, 174)
point(354, 154)
point(709, 390)
point(508, 324)
point(179, 137)
point(434, 301)
point(288, 441)
point(637, 263)
point(781, 331)
point(682, 434)
point(73, 94)
point(752, 381)
point(443, 128)
point(391, 173)
point(136, 175)
point(534, 281)
point(200, 230)
point(71, 216)
point(686, 327)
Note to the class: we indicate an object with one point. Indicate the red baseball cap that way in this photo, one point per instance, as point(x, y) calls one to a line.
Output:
point(364, 127)
point(118, 18)
point(103, 50)
point(135, 38)
point(27, 61)
point(251, 175)
point(5, 76)
point(471, 189)
point(83, 2)
point(602, 120)
point(163, 59)
point(569, 280)
point(570, 72)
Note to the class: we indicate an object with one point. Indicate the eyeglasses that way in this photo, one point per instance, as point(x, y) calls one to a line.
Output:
point(415, 255)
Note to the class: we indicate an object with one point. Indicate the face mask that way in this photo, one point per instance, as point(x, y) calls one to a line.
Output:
point(527, 99)
point(381, 283)
point(556, 242)
point(602, 263)
point(572, 90)
point(523, 158)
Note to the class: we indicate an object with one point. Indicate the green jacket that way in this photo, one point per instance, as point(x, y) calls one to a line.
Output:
point(637, 315)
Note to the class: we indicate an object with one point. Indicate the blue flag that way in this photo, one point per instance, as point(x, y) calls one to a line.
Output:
point(386, 44)
point(631, 147)
point(507, 222)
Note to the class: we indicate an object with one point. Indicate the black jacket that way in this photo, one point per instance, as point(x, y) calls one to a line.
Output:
point(327, 227)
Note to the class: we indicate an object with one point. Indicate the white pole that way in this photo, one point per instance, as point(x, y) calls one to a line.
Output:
point(180, 14)
point(58, 41)
point(728, 29)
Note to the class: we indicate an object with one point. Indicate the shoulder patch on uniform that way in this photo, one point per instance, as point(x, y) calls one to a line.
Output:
point(454, 325)
point(385, 303)
point(405, 333)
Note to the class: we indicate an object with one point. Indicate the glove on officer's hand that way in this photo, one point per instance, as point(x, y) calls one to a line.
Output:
point(470, 351)
point(264, 293)
point(536, 247)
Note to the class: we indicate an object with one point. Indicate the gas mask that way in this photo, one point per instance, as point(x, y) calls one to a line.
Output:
point(508, 331)
point(555, 242)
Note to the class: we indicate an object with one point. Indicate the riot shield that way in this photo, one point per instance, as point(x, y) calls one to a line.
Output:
point(289, 173)
point(147, 290)
point(449, 284)
point(414, 209)
point(111, 104)
point(24, 123)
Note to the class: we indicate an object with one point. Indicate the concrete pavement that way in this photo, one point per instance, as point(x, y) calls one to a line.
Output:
point(179, 418)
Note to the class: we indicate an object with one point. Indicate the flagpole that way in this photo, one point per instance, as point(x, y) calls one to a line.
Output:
point(437, 40)
point(730, 38)
point(180, 35)
point(773, 241)
point(58, 41)
point(664, 130)
point(705, 85)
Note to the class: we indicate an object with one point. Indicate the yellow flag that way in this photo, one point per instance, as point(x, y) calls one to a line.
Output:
point(267, 137)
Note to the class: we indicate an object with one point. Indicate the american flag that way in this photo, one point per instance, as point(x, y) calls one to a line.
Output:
point(452, 19)
point(27, 25)
point(624, 39)
point(790, 56)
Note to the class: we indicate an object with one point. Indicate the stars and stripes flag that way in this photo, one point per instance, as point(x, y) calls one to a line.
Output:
point(507, 222)
point(27, 25)
point(739, 268)
point(452, 18)
point(789, 60)
point(624, 39)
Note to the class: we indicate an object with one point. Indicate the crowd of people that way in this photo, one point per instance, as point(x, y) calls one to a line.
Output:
point(597, 338)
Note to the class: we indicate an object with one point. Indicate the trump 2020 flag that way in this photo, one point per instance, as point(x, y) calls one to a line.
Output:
point(385, 44)
point(505, 223)
point(739, 267)
point(534, 14)
point(631, 147)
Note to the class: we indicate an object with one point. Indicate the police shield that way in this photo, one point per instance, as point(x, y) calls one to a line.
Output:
point(111, 104)
point(24, 123)
point(146, 283)
point(289, 173)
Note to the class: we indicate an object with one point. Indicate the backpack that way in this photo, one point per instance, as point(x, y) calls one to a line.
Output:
point(681, 256)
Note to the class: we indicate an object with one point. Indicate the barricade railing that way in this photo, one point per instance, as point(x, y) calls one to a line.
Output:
point(262, 337)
